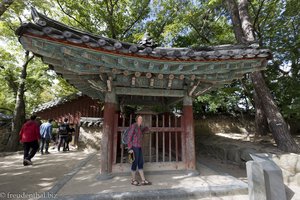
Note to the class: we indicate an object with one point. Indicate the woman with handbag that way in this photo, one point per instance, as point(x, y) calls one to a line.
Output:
point(135, 136)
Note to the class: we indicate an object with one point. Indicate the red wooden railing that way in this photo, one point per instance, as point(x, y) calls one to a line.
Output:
point(162, 144)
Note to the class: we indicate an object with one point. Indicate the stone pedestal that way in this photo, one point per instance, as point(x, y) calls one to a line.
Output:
point(265, 181)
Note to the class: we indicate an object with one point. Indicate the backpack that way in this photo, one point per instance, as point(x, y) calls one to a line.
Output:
point(124, 136)
point(63, 129)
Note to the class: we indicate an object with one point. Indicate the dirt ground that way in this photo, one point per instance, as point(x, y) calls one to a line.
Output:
point(248, 140)
point(222, 167)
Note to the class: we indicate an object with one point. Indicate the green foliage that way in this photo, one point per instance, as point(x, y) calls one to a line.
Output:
point(228, 100)
point(277, 26)
point(39, 82)
point(177, 23)
point(115, 19)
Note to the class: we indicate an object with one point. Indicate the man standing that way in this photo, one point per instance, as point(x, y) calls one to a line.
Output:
point(70, 136)
point(46, 135)
point(29, 136)
point(63, 131)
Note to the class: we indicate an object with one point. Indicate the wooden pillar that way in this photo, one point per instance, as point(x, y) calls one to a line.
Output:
point(190, 155)
point(106, 148)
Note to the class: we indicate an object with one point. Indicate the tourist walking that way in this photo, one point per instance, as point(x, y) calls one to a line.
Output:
point(63, 131)
point(46, 135)
point(70, 136)
point(29, 136)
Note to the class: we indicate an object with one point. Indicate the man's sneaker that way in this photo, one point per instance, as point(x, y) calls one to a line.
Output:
point(47, 152)
point(28, 162)
point(42, 153)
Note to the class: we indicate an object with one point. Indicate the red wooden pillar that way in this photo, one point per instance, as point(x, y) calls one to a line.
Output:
point(188, 123)
point(106, 149)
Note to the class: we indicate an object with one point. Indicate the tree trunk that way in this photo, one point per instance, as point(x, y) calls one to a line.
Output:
point(232, 8)
point(19, 111)
point(247, 27)
point(4, 6)
point(261, 123)
point(275, 120)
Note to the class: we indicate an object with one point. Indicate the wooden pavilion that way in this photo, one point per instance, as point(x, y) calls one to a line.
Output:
point(117, 72)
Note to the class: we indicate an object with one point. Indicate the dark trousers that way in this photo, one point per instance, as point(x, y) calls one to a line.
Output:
point(62, 141)
point(30, 149)
point(139, 160)
point(44, 142)
point(68, 140)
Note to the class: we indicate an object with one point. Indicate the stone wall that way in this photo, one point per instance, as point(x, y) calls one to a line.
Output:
point(290, 166)
point(89, 138)
point(211, 139)
point(229, 124)
point(224, 124)
point(5, 132)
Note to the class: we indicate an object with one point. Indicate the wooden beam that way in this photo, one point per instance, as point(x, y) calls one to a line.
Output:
point(98, 84)
point(52, 61)
point(149, 92)
point(171, 77)
point(109, 60)
point(148, 75)
point(124, 63)
point(137, 100)
point(109, 85)
point(137, 74)
point(151, 82)
point(193, 77)
point(126, 73)
point(193, 88)
point(173, 101)
point(170, 83)
point(136, 64)
point(160, 76)
point(203, 91)
point(91, 56)
point(116, 71)
point(133, 81)
point(151, 66)
point(166, 67)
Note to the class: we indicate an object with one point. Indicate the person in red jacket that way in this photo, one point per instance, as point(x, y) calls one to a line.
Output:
point(29, 136)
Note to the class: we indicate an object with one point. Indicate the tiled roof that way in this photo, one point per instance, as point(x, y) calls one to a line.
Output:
point(44, 26)
point(97, 65)
point(56, 102)
point(91, 121)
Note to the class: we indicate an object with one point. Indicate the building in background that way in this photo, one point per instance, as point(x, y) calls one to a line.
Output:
point(78, 109)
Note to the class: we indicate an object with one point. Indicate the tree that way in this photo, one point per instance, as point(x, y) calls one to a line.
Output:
point(25, 83)
point(114, 19)
point(276, 122)
point(19, 111)
point(276, 25)
point(4, 5)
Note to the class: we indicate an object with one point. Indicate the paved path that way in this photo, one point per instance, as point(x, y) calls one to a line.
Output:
point(73, 175)
point(169, 185)
point(17, 179)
